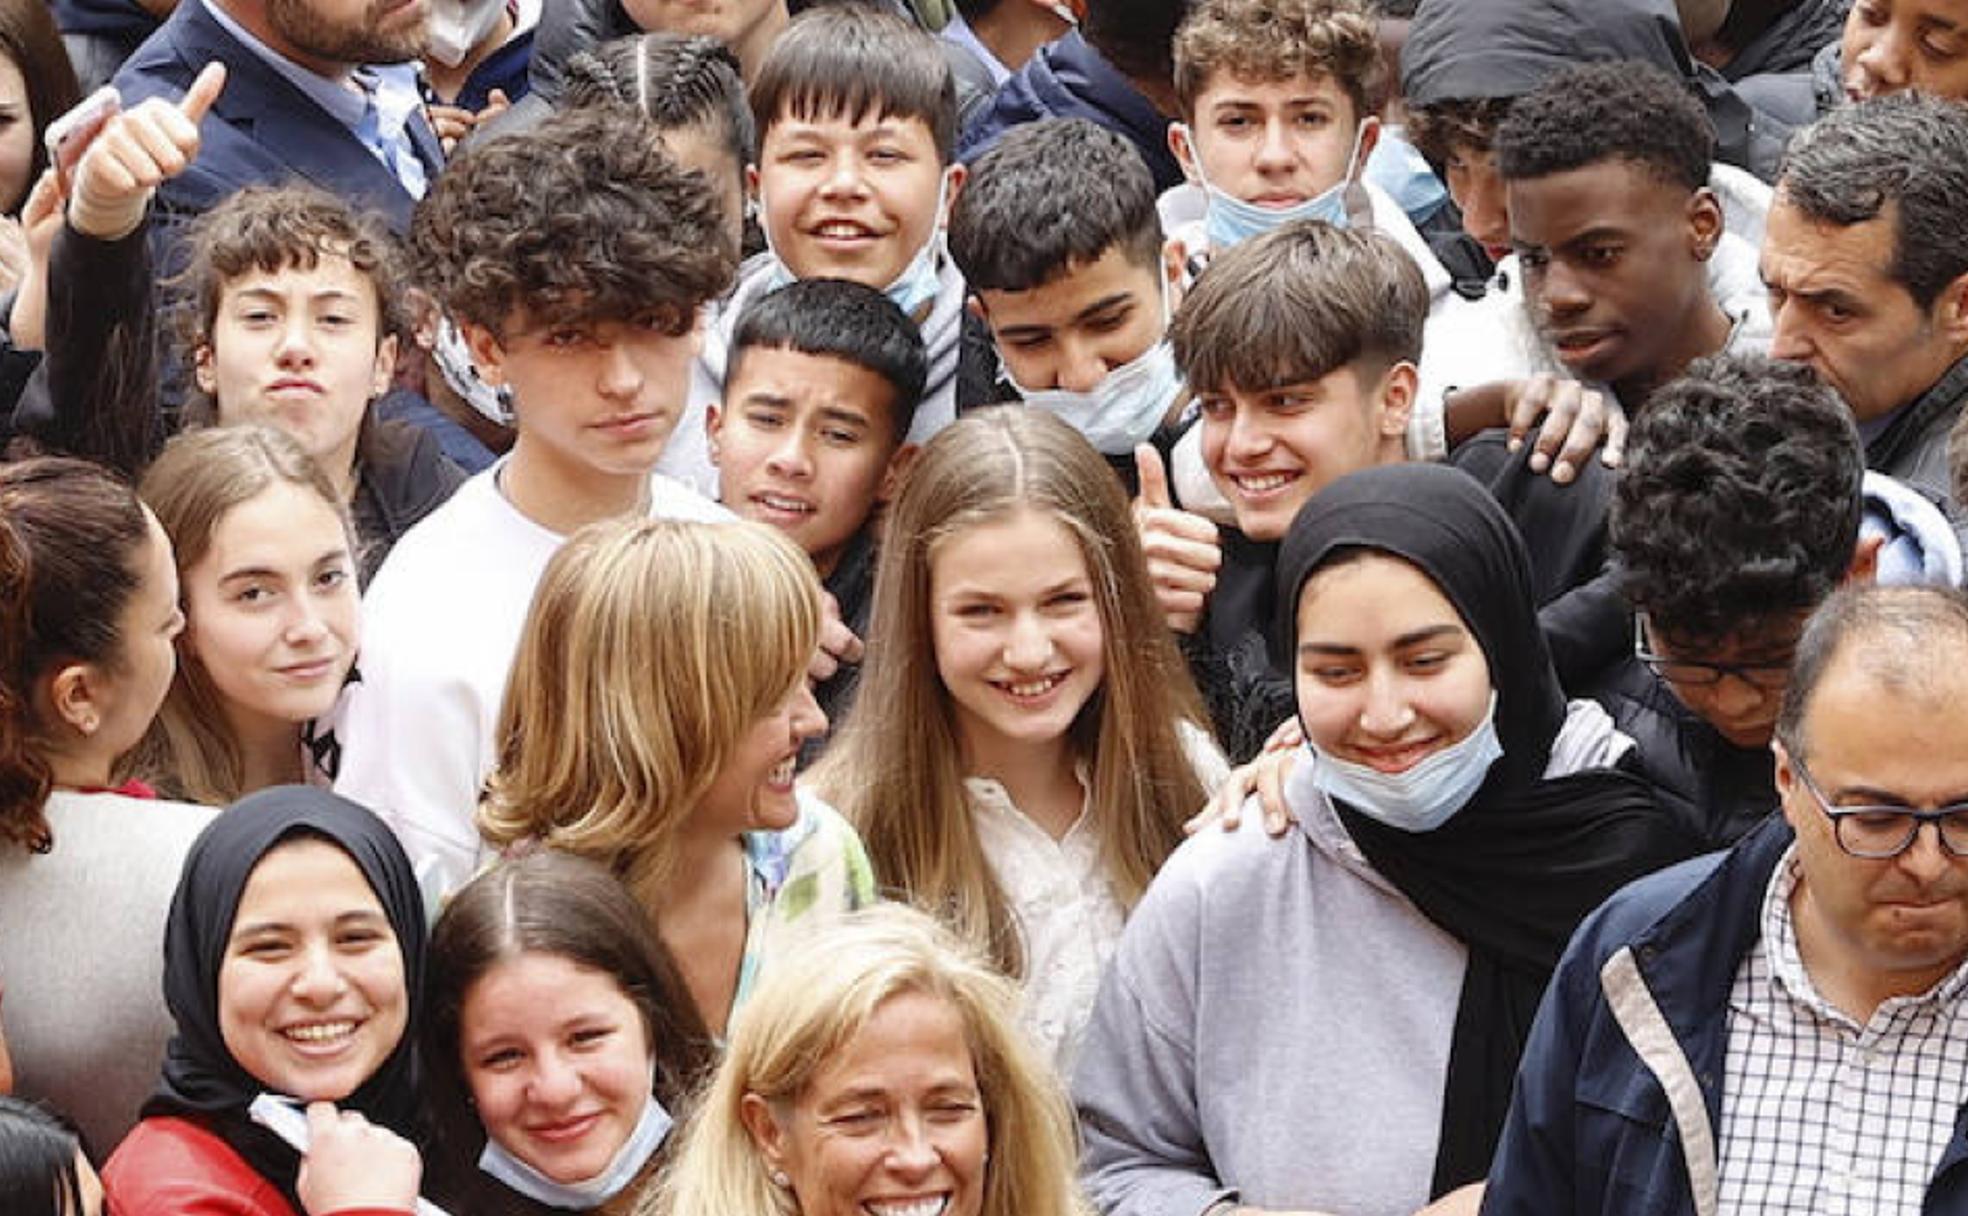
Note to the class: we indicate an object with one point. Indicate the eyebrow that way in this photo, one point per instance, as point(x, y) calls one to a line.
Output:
point(1873, 796)
point(837, 413)
point(267, 293)
point(356, 916)
point(1412, 638)
point(337, 554)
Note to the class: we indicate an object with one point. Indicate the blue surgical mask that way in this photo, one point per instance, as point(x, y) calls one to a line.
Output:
point(919, 281)
point(1230, 220)
point(1128, 404)
point(1421, 797)
point(592, 1193)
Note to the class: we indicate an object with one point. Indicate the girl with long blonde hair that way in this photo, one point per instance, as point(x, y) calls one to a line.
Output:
point(1026, 743)
point(653, 722)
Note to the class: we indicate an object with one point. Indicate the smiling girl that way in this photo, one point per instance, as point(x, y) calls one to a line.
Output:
point(266, 562)
point(653, 723)
point(559, 1040)
point(1031, 742)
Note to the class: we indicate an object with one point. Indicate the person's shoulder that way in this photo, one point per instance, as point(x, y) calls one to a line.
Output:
point(1635, 909)
point(167, 1166)
point(671, 499)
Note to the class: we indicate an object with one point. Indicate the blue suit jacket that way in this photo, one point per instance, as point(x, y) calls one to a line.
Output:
point(262, 129)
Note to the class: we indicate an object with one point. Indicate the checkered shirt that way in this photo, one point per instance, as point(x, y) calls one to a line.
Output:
point(1822, 1116)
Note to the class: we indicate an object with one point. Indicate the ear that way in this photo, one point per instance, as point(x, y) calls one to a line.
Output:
point(385, 368)
point(957, 174)
point(1175, 265)
point(974, 305)
point(201, 365)
point(488, 355)
point(75, 698)
point(1183, 148)
point(760, 1124)
point(713, 426)
point(1369, 140)
point(1865, 561)
point(1950, 310)
point(896, 473)
point(1705, 224)
point(752, 181)
point(1396, 397)
point(1786, 774)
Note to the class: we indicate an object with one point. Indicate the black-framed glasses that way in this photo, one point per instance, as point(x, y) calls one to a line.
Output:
point(1691, 673)
point(1876, 833)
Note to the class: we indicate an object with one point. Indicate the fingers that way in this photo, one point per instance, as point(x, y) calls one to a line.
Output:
point(1616, 426)
point(1225, 807)
point(1289, 735)
point(203, 92)
point(1271, 777)
point(1573, 428)
point(1524, 403)
point(1153, 476)
point(43, 203)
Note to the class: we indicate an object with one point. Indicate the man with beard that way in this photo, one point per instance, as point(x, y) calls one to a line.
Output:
point(319, 89)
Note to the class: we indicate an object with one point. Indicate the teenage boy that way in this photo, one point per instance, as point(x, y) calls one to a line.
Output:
point(810, 436)
point(593, 340)
point(1057, 235)
point(857, 118)
point(1300, 347)
point(1278, 124)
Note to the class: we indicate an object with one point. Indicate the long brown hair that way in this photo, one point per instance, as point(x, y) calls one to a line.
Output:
point(895, 768)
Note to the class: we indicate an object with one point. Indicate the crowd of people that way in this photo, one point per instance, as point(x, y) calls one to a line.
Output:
point(983, 607)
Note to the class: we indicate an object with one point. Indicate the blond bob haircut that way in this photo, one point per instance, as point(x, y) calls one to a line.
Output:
point(895, 770)
point(651, 648)
point(198, 479)
point(810, 1006)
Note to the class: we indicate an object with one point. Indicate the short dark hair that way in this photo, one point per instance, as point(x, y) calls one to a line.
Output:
point(972, 10)
point(581, 218)
point(1276, 40)
point(1135, 36)
point(38, 1176)
point(847, 321)
point(1049, 196)
point(1296, 304)
point(1740, 498)
point(1440, 129)
point(1905, 149)
point(850, 61)
point(1595, 112)
point(676, 80)
point(1902, 629)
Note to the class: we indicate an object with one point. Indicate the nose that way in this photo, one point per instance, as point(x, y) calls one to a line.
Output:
point(1925, 860)
point(1249, 437)
point(1029, 644)
point(1387, 712)
point(1485, 207)
point(296, 342)
point(911, 1152)
point(789, 457)
point(554, 1082)
point(1788, 336)
point(1886, 60)
point(619, 377)
point(1732, 696)
point(304, 622)
point(809, 720)
point(319, 980)
point(844, 176)
point(1081, 369)
point(1274, 149)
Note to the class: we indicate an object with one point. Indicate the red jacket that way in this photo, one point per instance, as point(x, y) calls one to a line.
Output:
point(169, 1166)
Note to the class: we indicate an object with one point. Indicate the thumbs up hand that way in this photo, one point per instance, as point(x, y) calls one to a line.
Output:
point(1182, 549)
point(133, 153)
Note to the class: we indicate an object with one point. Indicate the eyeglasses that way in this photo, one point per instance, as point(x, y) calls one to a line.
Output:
point(1876, 833)
point(1689, 673)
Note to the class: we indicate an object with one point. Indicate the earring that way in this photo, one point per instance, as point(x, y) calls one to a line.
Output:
point(780, 1180)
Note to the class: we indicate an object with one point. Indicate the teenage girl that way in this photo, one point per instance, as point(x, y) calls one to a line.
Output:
point(1027, 743)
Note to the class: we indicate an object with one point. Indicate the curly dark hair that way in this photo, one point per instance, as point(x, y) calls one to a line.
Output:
point(1049, 196)
point(580, 219)
point(1595, 112)
point(1135, 35)
point(1462, 124)
point(1740, 499)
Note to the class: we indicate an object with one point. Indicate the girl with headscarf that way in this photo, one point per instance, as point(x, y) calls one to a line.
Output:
point(293, 963)
point(1332, 1021)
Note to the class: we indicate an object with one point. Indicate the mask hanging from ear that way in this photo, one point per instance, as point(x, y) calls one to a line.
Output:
point(1230, 220)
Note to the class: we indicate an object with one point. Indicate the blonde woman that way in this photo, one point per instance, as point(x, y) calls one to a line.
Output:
point(653, 722)
point(1026, 743)
point(883, 1066)
point(267, 571)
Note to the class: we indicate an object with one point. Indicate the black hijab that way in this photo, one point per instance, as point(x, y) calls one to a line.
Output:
point(201, 1079)
point(1527, 857)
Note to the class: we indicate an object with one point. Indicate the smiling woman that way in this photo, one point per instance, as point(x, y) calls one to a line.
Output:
point(653, 723)
point(880, 1072)
point(293, 966)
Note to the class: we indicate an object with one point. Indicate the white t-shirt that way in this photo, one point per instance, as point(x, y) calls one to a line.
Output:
point(440, 626)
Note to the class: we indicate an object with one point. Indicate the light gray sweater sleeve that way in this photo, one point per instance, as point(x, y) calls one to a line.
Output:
point(1135, 1086)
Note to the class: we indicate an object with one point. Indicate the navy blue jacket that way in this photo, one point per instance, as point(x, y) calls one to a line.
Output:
point(261, 129)
point(1592, 1128)
point(1069, 79)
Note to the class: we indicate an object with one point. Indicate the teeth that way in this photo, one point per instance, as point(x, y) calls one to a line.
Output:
point(320, 1032)
point(782, 773)
point(921, 1207)
point(776, 503)
point(842, 230)
point(1034, 688)
point(1260, 485)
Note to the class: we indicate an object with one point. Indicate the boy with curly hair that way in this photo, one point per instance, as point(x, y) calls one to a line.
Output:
point(576, 259)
